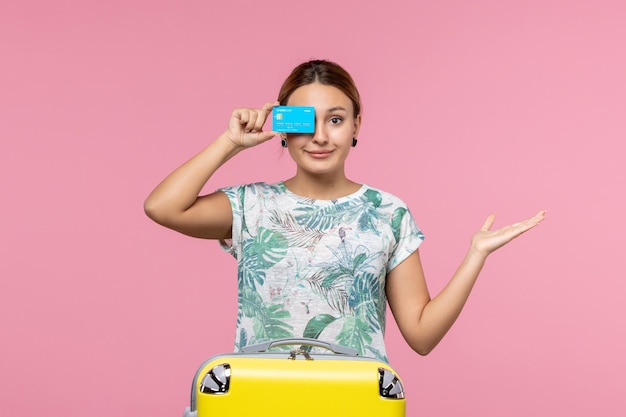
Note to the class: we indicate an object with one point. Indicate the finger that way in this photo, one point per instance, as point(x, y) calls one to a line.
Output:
point(265, 136)
point(267, 107)
point(540, 216)
point(253, 139)
point(488, 223)
point(260, 121)
point(251, 122)
point(241, 115)
point(522, 227)
point(532, 221)
point(263, 114)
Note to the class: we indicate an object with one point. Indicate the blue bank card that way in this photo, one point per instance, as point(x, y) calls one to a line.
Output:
point(293, 119)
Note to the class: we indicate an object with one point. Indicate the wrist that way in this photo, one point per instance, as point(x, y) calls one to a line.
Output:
point(228, 144)
point(475, 256)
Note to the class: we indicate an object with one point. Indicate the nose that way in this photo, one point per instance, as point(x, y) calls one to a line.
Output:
point(319, 136)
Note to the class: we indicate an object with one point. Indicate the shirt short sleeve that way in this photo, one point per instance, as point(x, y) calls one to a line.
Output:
point(407, 236)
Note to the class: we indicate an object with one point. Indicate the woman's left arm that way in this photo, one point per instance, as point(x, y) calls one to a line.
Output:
point(423, 321)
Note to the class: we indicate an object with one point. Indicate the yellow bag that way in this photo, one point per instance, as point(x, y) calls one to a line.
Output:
point(259, 383)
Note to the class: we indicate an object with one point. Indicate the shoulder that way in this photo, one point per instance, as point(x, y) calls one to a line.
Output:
point(382, 198)
point(392, 208)
point(260, 188)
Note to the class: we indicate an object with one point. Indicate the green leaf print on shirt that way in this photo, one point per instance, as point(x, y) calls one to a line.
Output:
point(372, 213)
point(348, 263)
point(264, 251)
point(355, 334)
point(366, 210)
point(349, 286)
point(268, 319)
point(396, 224)
point(327, 217)
point(374, 196)
point(250, 301)
point(299, 236)
point(269, 323)
point(270, 248)
point(242, 198)
point(366, 301)
point(317, 324)
point(335, 277)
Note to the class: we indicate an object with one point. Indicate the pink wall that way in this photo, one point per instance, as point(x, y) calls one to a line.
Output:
point(470, 107)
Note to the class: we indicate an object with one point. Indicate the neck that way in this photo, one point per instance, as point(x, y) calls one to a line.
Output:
point(321, 187)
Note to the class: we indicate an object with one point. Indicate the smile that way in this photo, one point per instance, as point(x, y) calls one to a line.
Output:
point(319, 154)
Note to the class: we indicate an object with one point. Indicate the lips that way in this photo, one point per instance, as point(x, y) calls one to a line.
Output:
point(319, 154)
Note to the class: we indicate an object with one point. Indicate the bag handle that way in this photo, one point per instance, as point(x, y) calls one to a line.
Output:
point(262, 347)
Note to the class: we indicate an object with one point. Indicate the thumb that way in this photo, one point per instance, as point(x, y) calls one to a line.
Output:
point(265, 136)
point(488, 223)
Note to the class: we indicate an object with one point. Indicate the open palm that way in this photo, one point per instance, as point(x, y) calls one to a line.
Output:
point(486, 240)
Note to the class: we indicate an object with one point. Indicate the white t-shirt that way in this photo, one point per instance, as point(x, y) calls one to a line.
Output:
point(316, 268)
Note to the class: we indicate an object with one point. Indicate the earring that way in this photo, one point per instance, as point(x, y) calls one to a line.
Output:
point(354, 141)
point(283, 142)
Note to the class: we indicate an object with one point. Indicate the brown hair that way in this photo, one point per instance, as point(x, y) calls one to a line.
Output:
point(323, 72)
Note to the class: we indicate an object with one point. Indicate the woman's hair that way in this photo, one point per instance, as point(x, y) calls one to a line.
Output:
point(323, 72)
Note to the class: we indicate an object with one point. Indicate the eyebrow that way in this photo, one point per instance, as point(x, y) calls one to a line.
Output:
point(332, 109)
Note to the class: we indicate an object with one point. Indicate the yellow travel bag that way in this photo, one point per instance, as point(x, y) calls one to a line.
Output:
point(257, 382)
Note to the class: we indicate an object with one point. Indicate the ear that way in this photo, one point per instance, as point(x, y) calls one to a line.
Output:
point(357, 126)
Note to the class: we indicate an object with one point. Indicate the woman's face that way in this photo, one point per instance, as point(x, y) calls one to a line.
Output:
point(324, 151)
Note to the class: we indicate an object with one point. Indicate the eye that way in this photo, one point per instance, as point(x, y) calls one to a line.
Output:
point(335, 120)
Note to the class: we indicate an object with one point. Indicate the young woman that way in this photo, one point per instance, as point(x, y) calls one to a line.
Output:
point(319, 255)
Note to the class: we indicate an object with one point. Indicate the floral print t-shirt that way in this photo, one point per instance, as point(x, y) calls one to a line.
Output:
point(316, 268)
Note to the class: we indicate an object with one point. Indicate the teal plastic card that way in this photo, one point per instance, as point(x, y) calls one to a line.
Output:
point(293, 119)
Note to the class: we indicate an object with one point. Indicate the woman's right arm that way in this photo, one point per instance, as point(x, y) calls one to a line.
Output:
point(175, 203)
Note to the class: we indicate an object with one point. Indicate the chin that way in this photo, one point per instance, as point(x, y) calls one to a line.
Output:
point(322, 170)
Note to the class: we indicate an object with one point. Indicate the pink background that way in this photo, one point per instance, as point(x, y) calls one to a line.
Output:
point(469, 108)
